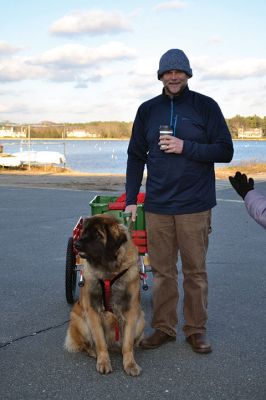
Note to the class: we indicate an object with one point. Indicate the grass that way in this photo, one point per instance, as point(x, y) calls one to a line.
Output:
point(249, 168)
point(36, 169)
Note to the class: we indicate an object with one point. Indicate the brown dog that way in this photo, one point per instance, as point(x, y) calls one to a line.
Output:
point(108, 313)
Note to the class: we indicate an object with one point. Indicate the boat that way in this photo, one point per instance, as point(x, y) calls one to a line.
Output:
point(32, 158)
point(9, 161)
point(40, 157)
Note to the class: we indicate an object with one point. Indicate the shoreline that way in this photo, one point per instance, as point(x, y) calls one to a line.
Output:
point(101, 138)
point(64, 180)
point(99, 182)
point(63, 139)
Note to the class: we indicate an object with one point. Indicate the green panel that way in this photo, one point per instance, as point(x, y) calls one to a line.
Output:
point(99, 205)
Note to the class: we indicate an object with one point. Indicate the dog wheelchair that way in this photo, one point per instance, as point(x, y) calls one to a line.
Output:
point(115, 206)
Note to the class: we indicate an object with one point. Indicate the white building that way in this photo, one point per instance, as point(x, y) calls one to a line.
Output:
point(10, 133)
point(255, 133)
point(77, 134)
point(7, 132)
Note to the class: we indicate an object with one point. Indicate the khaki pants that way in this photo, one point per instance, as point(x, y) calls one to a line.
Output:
point(167, 235)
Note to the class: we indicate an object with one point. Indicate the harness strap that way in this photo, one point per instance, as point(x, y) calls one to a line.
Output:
point(107, 294)
point(119, 275)
point(106, 288)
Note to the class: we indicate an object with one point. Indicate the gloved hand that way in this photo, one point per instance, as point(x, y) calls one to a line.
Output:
point(241, 183)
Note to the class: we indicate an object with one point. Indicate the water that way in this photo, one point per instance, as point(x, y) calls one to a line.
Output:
point(110, 156)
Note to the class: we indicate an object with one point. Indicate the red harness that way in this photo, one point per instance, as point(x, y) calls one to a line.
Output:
point(107, 290)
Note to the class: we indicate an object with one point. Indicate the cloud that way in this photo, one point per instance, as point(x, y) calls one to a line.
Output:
point(8, 49)
point(81, 85)
point(67, 63)
point(141, 81)
point(170, 5)
point(236, 69)
point(76, 55)
point(94, 22)
point(136, 13)
point(13, 109)
point(18, 69)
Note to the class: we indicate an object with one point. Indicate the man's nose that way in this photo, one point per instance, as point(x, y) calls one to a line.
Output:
point(174, 75)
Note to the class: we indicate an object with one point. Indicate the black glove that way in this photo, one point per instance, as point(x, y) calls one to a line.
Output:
point(241, 183)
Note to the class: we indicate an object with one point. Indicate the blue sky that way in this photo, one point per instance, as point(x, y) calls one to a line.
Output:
point(80, 61)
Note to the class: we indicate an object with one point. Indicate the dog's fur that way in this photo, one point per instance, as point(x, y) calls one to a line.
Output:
point(107, 250)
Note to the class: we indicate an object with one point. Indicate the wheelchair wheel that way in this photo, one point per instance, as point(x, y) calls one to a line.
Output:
point(71, 273)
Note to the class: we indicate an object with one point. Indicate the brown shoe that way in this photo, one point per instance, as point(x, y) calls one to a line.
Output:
point(199, 343)
point(156, 340)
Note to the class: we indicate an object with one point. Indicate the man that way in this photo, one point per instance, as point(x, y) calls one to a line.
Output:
point(255, 201)
point(180, 193)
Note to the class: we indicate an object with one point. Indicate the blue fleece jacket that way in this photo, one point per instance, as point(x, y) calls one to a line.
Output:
point(178, 183)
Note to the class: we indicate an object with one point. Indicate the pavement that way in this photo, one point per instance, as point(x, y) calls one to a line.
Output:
point(67, 180)
point(35, 224)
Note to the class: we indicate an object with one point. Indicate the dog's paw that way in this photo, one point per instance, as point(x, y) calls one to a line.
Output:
point(132, 369)
point(91, 352)
point(104, 365)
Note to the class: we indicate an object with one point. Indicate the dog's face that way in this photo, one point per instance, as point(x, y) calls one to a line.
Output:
point(101, 238)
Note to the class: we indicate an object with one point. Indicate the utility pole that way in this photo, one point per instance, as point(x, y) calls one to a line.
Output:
point(29, 147)
point(64, 143)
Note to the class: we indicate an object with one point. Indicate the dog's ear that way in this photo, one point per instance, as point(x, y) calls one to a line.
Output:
point(116, 237)
point(122, 238)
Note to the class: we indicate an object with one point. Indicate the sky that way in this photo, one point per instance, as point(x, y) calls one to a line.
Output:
point(81, 61)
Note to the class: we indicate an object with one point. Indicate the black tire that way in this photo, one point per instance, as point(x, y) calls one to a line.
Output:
point(71, 273)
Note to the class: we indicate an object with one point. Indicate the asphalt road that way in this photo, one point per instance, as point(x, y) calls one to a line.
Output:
point(35, 225)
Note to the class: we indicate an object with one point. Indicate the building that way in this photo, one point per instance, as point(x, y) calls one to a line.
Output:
point(10, 133)
point(77, 134)
point(255, 133)
point(81, 134)
point(7, 132)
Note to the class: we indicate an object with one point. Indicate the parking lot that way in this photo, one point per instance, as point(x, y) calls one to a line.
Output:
point(35, 225)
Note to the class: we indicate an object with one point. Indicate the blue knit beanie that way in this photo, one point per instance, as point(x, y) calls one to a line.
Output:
point(174, 59)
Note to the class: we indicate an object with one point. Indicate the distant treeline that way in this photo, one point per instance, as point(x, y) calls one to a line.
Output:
point(246, 123)
point(122, 130)
point(101, 129)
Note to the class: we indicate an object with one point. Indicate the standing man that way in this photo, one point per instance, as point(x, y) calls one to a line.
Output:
point(180, 193)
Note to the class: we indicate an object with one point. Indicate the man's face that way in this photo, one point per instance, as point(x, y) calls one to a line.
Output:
point(174, 82)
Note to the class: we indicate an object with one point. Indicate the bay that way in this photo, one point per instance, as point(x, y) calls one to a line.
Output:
point(110, 156)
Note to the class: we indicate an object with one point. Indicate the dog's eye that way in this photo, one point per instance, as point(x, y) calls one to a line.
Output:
point(93, 235)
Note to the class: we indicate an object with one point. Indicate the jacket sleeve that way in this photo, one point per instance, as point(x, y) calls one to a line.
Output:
point(137, 157)
point(255, 203)
point(219, 147)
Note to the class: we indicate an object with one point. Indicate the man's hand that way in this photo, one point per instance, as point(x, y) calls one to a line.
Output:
point(132, 208)
point(171, 144)
point(241, 183)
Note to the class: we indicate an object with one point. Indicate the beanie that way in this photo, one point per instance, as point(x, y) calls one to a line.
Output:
point(174, 59)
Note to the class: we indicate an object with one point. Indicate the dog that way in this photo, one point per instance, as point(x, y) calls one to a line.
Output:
point(108, 313)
